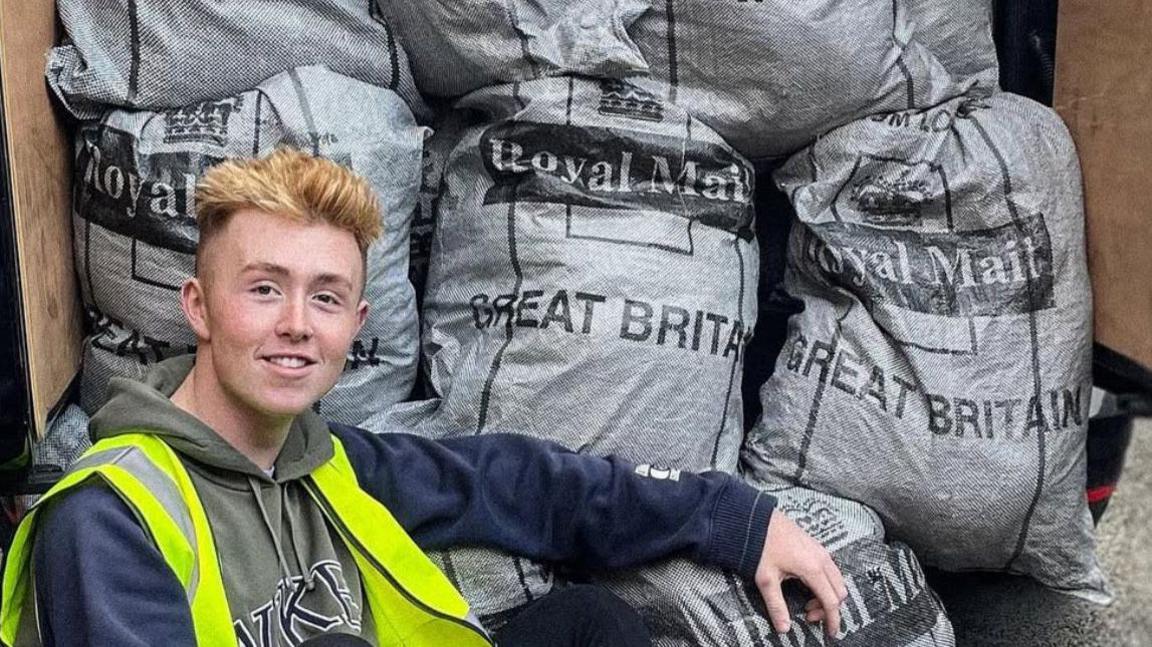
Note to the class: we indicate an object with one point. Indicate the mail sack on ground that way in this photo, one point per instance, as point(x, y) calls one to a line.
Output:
point(153, 54)
point(135, 232)
point(941, 370)
point(593, 277)
point(457, 47)
point(771, 76)
point(889, 604)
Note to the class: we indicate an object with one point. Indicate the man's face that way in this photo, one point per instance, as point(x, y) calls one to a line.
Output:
point(276, 307)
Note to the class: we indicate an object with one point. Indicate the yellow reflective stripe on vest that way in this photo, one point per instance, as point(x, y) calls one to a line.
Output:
point(148, 476)
point(160, 486)
point(153, 501)
point(411, 601)
point(211, 617)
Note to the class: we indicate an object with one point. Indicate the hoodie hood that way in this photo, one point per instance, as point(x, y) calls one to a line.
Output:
point(145, 407)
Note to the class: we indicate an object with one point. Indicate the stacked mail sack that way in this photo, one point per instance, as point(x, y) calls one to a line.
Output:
point(941, 370)
point(770, 77)
point(457, 47)
point(592, 280)
point(135, 232)
point(157, 54)
point(889, 601)
point(566, 220)
point(438, 146)
point(487, 348)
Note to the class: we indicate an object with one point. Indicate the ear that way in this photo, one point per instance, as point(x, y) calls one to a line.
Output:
point(361, 314)
point(194, 303)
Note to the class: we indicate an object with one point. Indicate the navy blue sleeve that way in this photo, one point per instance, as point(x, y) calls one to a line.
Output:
point(101, 581)
point(539, 500)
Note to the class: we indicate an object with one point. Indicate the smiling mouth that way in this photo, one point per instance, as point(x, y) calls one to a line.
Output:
point(288, 361)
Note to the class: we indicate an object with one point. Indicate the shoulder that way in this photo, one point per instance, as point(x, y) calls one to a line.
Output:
point(347, 434)
point(87, 525)
point(83, 509)
point(100, 580)
point(360, 445)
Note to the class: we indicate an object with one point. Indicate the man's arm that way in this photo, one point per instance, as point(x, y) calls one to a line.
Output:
point(535, 498)
point(100, 580)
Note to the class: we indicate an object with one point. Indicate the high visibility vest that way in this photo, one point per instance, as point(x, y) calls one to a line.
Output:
point(411, 601)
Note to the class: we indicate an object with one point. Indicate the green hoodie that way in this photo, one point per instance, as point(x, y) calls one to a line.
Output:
point(286, 571)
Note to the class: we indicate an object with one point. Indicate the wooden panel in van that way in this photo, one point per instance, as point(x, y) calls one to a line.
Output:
point(1104, 93)
point(38, 155)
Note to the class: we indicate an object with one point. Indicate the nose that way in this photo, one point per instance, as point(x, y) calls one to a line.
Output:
point(294, 322)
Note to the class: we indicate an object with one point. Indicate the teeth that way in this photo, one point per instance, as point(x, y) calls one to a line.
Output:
point(287, 362)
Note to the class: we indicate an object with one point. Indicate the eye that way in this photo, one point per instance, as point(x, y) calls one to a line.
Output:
point(328, 298)
point(263, 290)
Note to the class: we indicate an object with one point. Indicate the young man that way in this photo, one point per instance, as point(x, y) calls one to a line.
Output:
point(216, 507)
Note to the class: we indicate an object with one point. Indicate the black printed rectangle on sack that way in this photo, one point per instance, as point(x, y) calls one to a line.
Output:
point(610, 168)
point(999, 270)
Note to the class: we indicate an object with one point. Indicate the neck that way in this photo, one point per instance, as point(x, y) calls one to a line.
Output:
point(256, 435)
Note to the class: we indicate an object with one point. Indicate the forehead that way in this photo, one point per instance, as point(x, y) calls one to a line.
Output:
point(253, 237)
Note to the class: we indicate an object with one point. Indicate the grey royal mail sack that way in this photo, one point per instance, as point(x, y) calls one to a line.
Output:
point(592, 282)
point(771, 76)
point(457, 47)
point(889, 603)
point(135, 231)
point(437, 148)
point(941, 371)
point(958, 33)
point(154, 54)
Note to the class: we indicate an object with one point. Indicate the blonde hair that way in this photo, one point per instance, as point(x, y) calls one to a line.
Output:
point(290, 184)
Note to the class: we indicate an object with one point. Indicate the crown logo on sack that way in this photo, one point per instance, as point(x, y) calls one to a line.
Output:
point(200, 123)
point(622, 98)
point(890, 201)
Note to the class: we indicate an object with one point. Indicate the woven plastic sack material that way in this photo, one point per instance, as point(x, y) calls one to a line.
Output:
point(771, 76)
point(592, 280)
point(457, 47)
point(66, 440)
point(437, 148)
point(941, 370)
point(156, 54)
point(959, 34)
point(135, 232)
point(889, 603)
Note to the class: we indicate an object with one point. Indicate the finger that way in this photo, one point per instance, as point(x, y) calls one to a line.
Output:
point(829, 600)
point(777, 607)
point(813, 611)
point(837, 579)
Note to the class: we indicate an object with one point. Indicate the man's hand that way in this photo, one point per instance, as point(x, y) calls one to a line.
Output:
point(789, 553)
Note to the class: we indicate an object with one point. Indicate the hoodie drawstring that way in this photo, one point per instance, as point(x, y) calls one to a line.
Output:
point(252, 483)
point(309, 576)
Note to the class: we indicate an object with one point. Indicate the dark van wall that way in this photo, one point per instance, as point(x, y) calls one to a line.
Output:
point(1025, 35)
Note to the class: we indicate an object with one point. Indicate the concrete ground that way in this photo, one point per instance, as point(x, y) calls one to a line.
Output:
point(999, 611)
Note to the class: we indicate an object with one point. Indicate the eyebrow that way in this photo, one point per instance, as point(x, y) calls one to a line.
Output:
point(270, 268)
point(280, 270)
